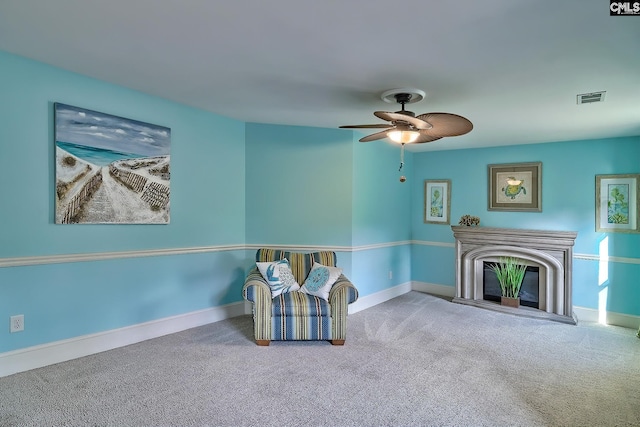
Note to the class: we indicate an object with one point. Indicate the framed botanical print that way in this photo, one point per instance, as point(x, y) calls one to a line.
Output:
point(617, 203)
point(437, 201)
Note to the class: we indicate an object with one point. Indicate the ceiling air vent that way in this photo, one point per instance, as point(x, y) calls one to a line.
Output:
point(590, 98)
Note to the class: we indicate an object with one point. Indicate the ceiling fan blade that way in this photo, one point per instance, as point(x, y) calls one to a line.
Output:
point(446, 124)
point(377, 126)
point(426, 137)
point(374, 136)
point(416, 122)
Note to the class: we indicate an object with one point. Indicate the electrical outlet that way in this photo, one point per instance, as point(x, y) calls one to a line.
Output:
point(390, 274)
point(17, 323)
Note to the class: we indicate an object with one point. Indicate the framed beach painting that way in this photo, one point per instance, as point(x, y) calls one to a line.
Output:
point(515, 187)
point(437, 201)
point(110, 170)
point(617, 203)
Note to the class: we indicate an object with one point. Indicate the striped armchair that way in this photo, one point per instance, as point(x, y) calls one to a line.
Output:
point(296, 315)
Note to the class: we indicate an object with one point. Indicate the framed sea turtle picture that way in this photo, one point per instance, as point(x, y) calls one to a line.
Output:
point(515, 187)
point(618, 203)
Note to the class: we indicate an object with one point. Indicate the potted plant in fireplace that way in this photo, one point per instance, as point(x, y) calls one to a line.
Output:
point(510, 272)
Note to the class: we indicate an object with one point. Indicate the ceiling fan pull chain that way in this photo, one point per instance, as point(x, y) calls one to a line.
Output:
point(402, 177)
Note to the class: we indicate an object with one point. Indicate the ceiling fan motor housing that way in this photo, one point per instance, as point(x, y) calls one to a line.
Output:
point(402, 99)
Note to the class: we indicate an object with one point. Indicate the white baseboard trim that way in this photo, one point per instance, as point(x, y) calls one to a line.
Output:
point(616, 319)
point(60, 351)
point(385, 295)
point(432, 288)
point(379, 297)
point(38, 356)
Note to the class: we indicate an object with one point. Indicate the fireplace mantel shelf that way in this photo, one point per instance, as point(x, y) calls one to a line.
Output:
point(551, 250)
point(515, 236)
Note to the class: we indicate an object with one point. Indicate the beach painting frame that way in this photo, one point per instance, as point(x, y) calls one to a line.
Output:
point(618, 203)
point(437, 201)
point(109, 169)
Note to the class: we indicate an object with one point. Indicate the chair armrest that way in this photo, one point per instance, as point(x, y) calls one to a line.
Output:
point(342, 294)
point(343, 289)
point(255, 287)
point(257, 291)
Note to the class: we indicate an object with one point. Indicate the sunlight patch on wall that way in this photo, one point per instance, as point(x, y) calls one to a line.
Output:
point(603, 280)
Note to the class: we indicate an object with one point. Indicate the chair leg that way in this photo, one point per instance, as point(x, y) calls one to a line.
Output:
point(337, 342)
point(263, 342)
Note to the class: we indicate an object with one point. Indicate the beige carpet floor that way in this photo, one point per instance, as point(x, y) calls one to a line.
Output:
point(416, 360)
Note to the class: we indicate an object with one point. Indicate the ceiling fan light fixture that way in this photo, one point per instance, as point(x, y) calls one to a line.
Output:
point(403, 136)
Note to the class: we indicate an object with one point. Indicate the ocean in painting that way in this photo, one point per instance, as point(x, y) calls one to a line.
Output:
point(93, 155)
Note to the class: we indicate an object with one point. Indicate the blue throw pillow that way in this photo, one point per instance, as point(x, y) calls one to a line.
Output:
point(320, 280)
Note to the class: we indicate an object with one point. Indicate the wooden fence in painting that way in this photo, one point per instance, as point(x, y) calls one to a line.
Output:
point(156, 194)
point(79, 199)
point(132, 180)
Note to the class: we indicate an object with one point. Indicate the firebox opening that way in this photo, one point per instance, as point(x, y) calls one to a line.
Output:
point(529, 292)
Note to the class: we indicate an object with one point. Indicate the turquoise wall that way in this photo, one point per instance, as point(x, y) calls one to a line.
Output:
point(75, 298)
point(298, 185)
point(67, 300)
point(381, 203)
point(206, 149)
point(381, 216)
point(317, 187)
point(568, 203)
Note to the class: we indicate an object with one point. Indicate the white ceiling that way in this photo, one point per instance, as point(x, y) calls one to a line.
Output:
point(512, 67)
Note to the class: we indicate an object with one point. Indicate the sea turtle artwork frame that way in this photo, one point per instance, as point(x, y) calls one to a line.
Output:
point(618, 203)
point(437, 201)
point(109, 169)
point(515, 187)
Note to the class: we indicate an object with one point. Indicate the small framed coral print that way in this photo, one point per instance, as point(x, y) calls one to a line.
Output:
point(437, 201)
point(617, 203)
point(515, 187)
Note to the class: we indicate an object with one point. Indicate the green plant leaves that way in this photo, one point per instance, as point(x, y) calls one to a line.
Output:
point(510, 272)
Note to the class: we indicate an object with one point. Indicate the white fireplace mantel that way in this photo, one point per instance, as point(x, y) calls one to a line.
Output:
point(550, 251)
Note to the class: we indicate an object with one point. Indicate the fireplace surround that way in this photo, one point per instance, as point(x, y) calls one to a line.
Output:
point(550, 251)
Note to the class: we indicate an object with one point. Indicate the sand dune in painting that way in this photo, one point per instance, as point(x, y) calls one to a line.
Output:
point(124, 191)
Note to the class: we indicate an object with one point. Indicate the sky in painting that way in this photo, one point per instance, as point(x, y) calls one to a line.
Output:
point(106, 132)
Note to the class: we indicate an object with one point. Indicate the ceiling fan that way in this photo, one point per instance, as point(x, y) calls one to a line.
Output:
point(405, 127)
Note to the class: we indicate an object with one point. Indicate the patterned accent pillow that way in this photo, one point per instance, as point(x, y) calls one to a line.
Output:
point(320, 280)
point(279, 276)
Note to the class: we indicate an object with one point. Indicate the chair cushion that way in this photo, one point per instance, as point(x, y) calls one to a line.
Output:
point(299, 304)
point(301, 328)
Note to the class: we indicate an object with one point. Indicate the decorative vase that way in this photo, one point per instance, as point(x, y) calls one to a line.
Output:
point(510, 302)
